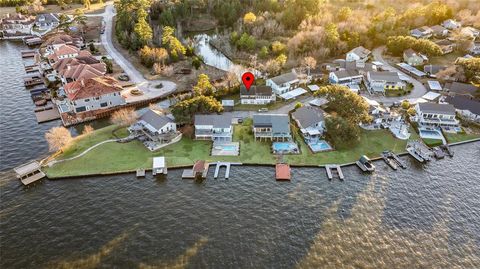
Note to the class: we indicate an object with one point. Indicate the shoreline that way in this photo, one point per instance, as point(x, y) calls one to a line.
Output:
point(177, 167)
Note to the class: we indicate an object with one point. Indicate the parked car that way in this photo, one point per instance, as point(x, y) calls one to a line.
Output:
point(263, 109)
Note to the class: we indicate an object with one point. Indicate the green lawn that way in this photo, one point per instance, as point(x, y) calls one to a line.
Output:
point(121, 157)
point(432, 142)
point(453, 138)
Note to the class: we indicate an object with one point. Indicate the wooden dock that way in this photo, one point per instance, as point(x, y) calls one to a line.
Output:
point(47, 113)
point(199, 170)
point(29, 173)
point(282, 171)
point(140, 173)
point(334, 168)
point(227, 168)
point(28, 53)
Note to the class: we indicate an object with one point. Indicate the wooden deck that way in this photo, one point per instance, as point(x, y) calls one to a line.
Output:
point(29, 173)
point(48, 114)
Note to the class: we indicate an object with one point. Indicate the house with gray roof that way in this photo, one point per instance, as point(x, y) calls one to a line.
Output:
point(154, 129)
point(257, 95)
point(47, 21)
point(311, 121)
point(431, 69)
point(345, 77)
point(283, 83)
point(413, 58)
point(273, 127)
point(379, 82)
point(435, 115)
point(439, 31)
point(467, 107)
point(358, 54)
point(458, 88)
point(214, 127)
point(422, 32)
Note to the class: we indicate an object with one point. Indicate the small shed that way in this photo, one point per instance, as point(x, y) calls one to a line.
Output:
point(159, 166)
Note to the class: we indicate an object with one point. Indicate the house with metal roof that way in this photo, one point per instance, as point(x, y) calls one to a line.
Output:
point(413, 58)
point(214, 127)
point(47, 21)
point(422, 32)
point(311, 121)
point(384, 80)
point(439, 31)
point(435, 115)
point(458, 88)
point(257, 95)
point(345, 77)
point(273, 127)
point(451, 24)
point(154, 129)
point(283, 83)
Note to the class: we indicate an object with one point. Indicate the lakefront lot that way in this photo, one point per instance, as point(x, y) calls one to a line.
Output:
point(114, 157)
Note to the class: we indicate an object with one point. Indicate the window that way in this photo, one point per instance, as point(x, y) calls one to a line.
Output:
point(104, 104)
point(87, 100)
point(80, 109)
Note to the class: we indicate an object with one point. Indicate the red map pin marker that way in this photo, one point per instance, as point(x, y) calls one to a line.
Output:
point(248, 79)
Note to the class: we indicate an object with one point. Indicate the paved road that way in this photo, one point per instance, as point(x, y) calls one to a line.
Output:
point(418, 88)
point(282, 110)
point(147, 86)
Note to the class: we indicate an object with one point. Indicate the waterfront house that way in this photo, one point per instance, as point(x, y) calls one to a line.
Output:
point(47, 21)
point(413, 58)
point(358, 54)
point(422, 32)
point(384, 80)
point(257, 95)
point(345, 77)
point(283, 83)
point(155, 129)
point(435, 115)
point(92, 94)
point(464, 89)
point(214, 127)
point(446, 45)
point(16, 25)
point(451, 24)
point(467, 107)
point(65, 51)
point(80, 67)
point(475, 47)
point(54, 42)
point(311, 121)
point(274, 127)
point(439, 31)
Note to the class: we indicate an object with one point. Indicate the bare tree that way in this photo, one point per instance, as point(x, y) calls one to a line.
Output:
point(168, 71)
point(57, 138)
point(309, 63)
point(124, 117)
point(87, 129)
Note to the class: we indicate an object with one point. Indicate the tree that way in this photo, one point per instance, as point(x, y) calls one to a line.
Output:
point(124, 117)
point(405, 104)
point(108, 64)
point(57, 138)
point(203, 87)
point(183, 111)
point(249, 18)
point(298, 105)
point(344, 13)
point(348, 105)
point(87, 129)
point(278, 47)
point(411, 111)
point(272, 67)
point(263, 52)
point(86, 4)
point(310, 63)
point(341, 132)
point(196, 62)
point(143, 31)
point(281, 60)
point(172, 43)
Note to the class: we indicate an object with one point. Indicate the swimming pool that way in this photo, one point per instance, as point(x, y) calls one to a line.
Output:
point(284, 147)
point(430, 133)
point(226, 147)
point(320, 145)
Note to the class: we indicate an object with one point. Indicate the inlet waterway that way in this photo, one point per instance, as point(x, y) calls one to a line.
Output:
point(427, 216)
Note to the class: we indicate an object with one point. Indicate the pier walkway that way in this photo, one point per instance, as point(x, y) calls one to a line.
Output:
point(227, 167)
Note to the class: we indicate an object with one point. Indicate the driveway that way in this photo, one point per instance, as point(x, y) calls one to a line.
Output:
point(418, 88)
point(148, 87)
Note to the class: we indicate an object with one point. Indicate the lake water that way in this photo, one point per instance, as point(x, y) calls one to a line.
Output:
point(210, 55)
point(423, 217)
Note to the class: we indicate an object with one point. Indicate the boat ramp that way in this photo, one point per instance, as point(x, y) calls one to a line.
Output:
point(29, 173)
point(334, 169)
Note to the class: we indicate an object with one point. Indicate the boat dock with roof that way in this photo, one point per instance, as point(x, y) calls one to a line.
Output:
point(282, 171)
point(29, 173)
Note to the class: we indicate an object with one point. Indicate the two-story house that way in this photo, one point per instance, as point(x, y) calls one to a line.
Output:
point(345, 77)
point(283, 83)
point(311, 121)
point(446, 45)
point(154, 129)
point(257, 95)
point(422, 32)
point(273, 127)
point(65, 51)
point(16, 24)
point(435, 115)
point(47, 21)
point(55, 41)
point(92, 94)
point(413, 58)
point(358, 54)
point(465, 106)
point(384, 80)
point(214, 127)
point(80, 67)
point(439, 31)
point(475, 47)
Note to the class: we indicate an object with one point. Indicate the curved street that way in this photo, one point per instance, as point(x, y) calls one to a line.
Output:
point(147, 86)
point(418, 88)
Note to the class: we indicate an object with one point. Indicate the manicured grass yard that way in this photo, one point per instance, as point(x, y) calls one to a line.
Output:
point(120, 157)
point(453, 138)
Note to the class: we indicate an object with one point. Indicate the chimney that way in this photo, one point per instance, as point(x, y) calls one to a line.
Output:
point(83, 83)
